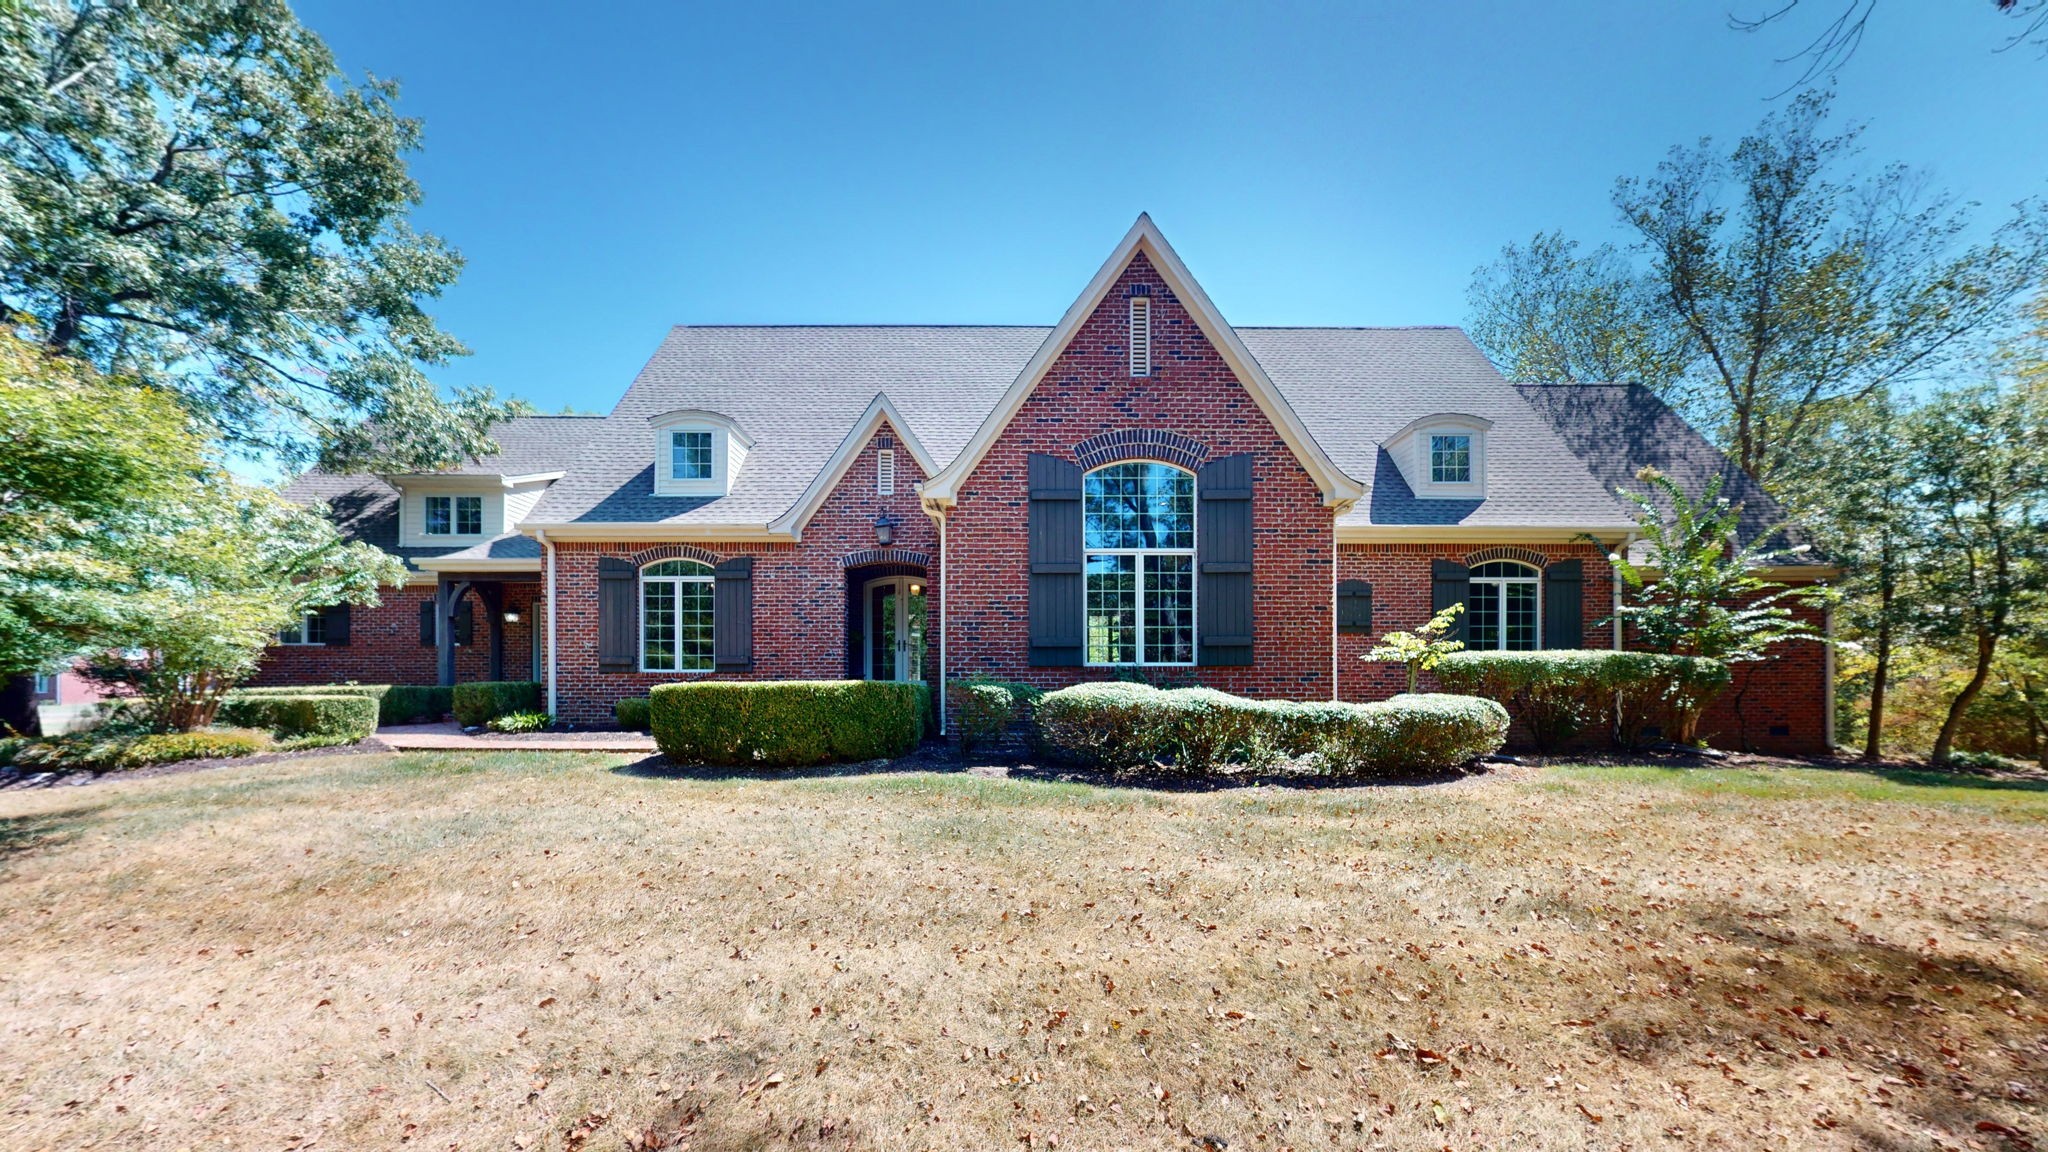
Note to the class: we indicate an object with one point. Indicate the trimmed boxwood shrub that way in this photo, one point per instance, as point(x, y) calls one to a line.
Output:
point(787, 723)
point(1559, 694)
point(1121, 725)
point(344, 718)
point(480, 703)
point(632, 713)
point(989, 707)
point(412, 703)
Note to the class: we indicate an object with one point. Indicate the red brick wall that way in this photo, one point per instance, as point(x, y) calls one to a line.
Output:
point(1089, 390)
point(799, 591)
point(1400, 579)
point(384, 644)
point(1788, 691)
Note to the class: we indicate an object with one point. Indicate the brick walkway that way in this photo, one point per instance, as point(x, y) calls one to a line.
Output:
point(450, 738)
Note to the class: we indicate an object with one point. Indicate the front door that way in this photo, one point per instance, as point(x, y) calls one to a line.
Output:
point(895, 625)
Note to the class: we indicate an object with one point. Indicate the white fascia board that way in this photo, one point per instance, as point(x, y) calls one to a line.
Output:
point(634, 532)
point(828, 477)
point(496, 564)
point(1466, 533)
point(1338, 489)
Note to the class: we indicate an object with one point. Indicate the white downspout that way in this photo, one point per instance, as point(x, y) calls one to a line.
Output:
point(1336, 573)
point(945, 610)
point(1614, 570)
point(541, 534)
point(1828, 670)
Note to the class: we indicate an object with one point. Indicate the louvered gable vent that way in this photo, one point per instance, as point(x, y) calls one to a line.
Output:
point(1141, 335)
point(885, 472)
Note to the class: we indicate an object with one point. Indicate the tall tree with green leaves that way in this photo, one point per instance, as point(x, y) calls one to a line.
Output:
point(192, 196)
point(1868, 522)
point(1766, 287)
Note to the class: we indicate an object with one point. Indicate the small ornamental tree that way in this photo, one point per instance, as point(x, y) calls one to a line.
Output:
point(219, 575)
point(1422, 649)
point(1698, 593)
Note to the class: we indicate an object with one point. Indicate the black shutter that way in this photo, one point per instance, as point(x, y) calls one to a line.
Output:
point(1449, 583)
point(1354, 607)
point(427, 623)
point(1223, 556)
point(1054, 560)
point(465, 622)
point(1563, 604)
point(618, 615)
point(337, 625)
point(732, 613)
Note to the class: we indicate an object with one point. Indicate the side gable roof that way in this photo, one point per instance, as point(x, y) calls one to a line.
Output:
point(1338, 489)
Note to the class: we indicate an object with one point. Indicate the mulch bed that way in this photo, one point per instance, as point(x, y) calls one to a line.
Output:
point(15, 778)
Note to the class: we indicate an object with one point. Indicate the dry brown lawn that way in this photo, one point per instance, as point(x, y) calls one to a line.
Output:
point(533, 951)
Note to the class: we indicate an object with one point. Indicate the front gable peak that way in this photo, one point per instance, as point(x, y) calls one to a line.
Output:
point(1145, 243)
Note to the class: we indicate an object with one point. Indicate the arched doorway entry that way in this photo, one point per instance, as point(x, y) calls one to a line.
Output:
point(885, 620)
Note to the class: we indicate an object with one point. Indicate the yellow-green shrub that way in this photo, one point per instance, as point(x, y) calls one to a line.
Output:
point(787, 723)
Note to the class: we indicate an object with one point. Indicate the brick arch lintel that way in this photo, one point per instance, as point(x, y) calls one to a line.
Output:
point(1141, 444)
point(1529, 556)
point(885, 556)
point(646, 556)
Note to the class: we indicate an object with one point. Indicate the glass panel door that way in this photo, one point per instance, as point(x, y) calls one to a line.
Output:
point(895, 623)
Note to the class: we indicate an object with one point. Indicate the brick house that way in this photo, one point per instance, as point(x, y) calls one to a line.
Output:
point(1139, 486)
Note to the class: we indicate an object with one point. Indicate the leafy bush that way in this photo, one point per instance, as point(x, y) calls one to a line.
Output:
point(346, 717)
point(478, 704)
point(1117, 725)
point(373, 691)
point(522, 722)
point(788, 723)
point(1407, 734)
point(1982, 762)
point(989, 707)
point(171, 747)
point(10, 747)
point(1561, 693)
point(632, 714)
point(412, 703)
point(1108, 725)
point(105, 750)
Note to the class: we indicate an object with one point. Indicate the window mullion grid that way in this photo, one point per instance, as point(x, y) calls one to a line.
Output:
point(1140, 598)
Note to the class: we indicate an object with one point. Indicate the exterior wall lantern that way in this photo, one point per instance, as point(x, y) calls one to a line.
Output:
point(885, 530)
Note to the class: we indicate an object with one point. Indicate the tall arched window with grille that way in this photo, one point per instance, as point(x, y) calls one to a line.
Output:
point(1138, 534)
point(676, 616)
point(1503, 608)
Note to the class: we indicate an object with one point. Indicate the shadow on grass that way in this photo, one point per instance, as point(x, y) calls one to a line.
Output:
point(21, 835)
point(938, 757)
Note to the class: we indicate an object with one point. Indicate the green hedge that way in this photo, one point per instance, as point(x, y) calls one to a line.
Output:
point(987, 708)
point(1122, 725)
point(1562, 693)
point(787, 723)
point(632, 713)
point(480, 703)
point(413, 703)
point(341, 716)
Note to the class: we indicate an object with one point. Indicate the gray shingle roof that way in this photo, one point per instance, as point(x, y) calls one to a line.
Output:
point(797, 390)
point(1617, 429)
point(366, 508)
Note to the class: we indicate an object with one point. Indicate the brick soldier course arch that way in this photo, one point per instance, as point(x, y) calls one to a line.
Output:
point(885, 556)
point(1141, 444)
point(646, 556)
point(1529, 556)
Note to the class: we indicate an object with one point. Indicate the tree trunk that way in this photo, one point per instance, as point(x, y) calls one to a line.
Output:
point(1872, 739)
point(1987, 647)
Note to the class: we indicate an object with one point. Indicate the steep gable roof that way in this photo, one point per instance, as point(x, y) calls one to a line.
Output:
point(1144, 238)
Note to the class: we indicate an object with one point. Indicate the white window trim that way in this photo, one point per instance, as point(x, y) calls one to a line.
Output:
point(1194, 603)
point(1500, 584)
point(728, 451)
point(1410, 448)
point(455, 531)
point(640, 594)
point(1471, 450)
point(304, 629)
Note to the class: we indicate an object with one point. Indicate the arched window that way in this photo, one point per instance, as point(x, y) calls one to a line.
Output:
point(1502, 610)
point(675, 616)
point(1138, 532)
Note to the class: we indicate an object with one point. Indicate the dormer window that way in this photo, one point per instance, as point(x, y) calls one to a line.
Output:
point(696, 453)
point(1443, 456)
point(690, 455)
point(1450, 458)
point(454, 516)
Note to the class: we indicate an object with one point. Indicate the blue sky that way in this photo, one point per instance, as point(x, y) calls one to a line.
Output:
point(612, 169)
